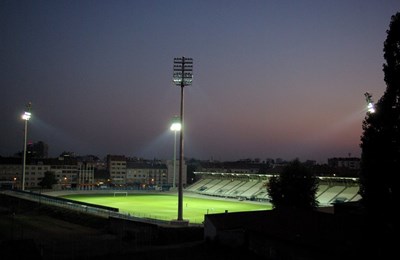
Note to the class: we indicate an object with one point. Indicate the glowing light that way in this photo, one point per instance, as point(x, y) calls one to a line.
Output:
point(26, 116)
point(176, 126)
point(371, 108)
point(370, 102)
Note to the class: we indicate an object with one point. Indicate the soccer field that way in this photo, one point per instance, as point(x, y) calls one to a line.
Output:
point(165, 206)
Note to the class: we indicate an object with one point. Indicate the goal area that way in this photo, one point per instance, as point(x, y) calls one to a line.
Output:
point(120, 193)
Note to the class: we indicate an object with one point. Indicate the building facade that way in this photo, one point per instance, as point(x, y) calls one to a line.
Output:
point(116, 166)
point(65, 171)
point(173, 173)
point(146, 174)
point(80, 173)
point(345, 162)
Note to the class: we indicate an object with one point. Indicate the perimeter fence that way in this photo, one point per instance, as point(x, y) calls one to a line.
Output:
point(87, 208)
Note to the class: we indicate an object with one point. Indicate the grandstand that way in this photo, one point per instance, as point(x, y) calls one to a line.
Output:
point(245, 186)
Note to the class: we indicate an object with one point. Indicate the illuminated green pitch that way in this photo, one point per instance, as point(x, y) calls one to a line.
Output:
point(164, 206)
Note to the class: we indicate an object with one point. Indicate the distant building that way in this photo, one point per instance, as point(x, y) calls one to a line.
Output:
point(344, 162)
point(37, 150)
point(146, 174)
point(116, 165)
point(86, 179)
point(87, 172)
point(141, 173)
point(10, 172)
point(65, 171)
point(242, 166)
point(170, 173)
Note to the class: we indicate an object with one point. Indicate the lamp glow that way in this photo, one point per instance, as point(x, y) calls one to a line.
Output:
point(370, 103)
point(371, 108)
point(176, 127)
point(25, 116)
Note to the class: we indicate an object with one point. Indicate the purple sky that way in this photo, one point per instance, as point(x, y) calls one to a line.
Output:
point(272, 79)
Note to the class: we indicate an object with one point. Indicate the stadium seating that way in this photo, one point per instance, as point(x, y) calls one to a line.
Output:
point(330, 190)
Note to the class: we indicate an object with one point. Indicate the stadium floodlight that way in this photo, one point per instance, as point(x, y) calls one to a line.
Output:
point(182, 76)
point(371, 108)
point(25, 116)
point(183, 71)
point(176, 127)
point(370, 103)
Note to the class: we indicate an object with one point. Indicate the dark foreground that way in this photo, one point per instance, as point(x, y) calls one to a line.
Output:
point(32, 231)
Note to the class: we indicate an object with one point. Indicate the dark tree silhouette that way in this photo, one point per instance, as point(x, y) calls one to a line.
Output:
point(294, 187)
point(380, 142)
point(48, 180)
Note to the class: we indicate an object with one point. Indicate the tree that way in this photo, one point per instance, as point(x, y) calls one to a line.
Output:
point(380, 142)
point(294, 187)
point(48, 180)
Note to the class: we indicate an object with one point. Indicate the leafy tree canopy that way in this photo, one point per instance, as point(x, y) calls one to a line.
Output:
point(380, 142)
point(294, 187)
point(48, 180)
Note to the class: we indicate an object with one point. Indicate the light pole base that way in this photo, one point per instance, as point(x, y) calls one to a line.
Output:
point(180, 223)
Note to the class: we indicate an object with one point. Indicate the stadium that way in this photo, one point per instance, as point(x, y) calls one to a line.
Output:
point(212, 193)
point(253, 187)
point(219, 199)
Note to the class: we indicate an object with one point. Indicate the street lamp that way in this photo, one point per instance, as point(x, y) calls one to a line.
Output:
point(176, 127)
point(182, 76)
point(25, 116)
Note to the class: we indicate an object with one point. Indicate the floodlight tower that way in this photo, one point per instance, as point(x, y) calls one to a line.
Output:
point(370, 103)
point(182, 76)
point(25, 116)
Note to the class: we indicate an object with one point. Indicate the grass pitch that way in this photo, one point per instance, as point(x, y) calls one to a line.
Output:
point(165, 206)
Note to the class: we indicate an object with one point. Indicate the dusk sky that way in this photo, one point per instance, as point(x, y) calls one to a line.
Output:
point(272, 79)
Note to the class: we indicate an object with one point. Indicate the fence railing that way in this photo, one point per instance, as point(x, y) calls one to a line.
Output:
point(93, 209)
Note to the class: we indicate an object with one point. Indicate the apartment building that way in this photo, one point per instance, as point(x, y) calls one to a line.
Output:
point(64, 169)
point(147, 174)
point(116, 166)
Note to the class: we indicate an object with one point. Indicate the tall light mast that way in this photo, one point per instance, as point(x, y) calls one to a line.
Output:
point(182, 76)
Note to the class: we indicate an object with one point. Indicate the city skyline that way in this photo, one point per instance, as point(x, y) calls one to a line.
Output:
point(38, 151)
point(271, 80)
